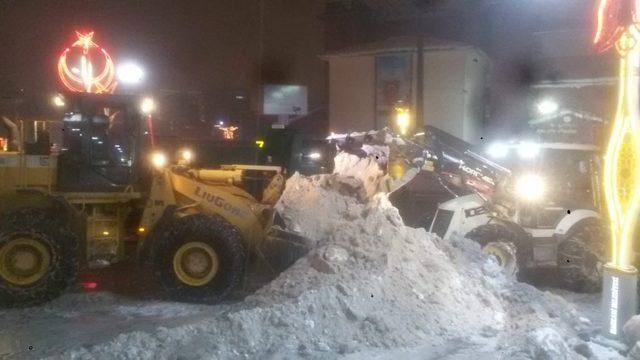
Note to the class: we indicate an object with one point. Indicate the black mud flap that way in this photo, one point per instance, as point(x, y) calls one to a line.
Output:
point(164, 223)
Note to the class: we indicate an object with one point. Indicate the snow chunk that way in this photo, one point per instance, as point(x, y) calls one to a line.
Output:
point(631, 330)
point(547, 344)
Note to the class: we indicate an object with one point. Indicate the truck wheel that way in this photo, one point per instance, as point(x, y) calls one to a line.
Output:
point(199, 258)
point(38, 258)
point(581, 256)
point(500, 242)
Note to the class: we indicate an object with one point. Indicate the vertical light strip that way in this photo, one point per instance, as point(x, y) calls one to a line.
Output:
point(622, 173)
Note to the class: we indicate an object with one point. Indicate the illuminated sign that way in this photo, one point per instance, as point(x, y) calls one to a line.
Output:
point(77, 67)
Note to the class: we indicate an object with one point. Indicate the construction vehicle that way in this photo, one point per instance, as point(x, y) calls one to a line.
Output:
point(531, 205)
point(107, 197)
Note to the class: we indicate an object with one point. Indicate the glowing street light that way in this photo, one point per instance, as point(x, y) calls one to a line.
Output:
point(58, 101)
point(403, 119)
point(148, 105)
point(130, 73)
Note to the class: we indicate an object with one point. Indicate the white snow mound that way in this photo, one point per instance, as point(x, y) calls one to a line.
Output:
point(370, 284)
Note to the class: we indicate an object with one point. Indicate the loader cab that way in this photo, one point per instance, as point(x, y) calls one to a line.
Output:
point(102, 141)
point(566, 174)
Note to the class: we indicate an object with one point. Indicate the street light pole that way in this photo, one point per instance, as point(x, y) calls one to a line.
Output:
point(419, 117)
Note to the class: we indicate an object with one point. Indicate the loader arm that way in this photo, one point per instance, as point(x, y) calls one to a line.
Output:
point(452, 159)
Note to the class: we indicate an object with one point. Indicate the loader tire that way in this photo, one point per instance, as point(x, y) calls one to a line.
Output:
point(38, 258)
point(581, 256)
point(500, 242)
point(199, 258)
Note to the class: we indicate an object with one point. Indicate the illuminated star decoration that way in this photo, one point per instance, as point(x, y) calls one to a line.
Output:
point(81, 78)
point(229, 132)
point(617, 25)
point(614, 20)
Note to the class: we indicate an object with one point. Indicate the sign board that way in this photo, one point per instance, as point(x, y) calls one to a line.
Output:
point(285, 100)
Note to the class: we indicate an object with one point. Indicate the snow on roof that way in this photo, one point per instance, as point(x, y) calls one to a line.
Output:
point(582, 115)
point(396, 44)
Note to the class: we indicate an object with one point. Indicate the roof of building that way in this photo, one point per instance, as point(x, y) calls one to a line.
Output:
point(561, 115)
point(397, 44)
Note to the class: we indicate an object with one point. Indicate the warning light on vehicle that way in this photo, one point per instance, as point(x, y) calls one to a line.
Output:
point(58, 101)
point(81, 76)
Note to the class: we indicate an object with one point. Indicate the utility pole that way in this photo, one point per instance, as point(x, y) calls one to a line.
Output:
point(419, 117)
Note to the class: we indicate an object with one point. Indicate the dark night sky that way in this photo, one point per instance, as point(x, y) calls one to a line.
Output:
point(213, 46)
point(209, 46)
point(181, 46)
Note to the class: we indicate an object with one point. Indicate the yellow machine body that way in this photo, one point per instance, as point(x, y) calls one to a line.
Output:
point(215, 192)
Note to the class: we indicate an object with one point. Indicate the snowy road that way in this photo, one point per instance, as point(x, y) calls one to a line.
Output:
point(85, 319)
point(77, 320)
point(371, 288)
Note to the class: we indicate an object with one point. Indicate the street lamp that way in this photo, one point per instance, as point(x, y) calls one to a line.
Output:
point(148, 105)
point(58, 101)
point(130, 74)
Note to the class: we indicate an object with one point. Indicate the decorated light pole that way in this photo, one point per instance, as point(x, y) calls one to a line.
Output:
point(618, 26)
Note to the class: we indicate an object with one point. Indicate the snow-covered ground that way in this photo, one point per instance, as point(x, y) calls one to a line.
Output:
point(371, 288)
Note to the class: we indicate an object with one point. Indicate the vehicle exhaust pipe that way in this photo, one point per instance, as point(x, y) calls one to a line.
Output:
point(14, 141)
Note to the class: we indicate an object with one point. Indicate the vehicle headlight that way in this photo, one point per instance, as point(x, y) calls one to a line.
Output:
point(498, 151)
point(528, 150)
point(315, 156)
point(159, 160)
point(531, 187)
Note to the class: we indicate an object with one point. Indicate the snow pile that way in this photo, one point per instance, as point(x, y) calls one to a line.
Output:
point(370, 286)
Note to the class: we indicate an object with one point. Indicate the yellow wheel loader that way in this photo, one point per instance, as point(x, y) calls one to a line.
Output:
point(88, 192)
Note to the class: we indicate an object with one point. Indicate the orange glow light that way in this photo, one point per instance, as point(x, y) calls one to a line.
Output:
point(81, 77)
point(229, 132)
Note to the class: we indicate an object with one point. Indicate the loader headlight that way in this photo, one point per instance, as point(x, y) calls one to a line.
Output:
point(531, 187)
point(498, 151)
point(159, 160)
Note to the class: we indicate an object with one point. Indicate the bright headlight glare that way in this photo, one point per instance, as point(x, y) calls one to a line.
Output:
point(498, 151)
point(315, 155)
point(159, 160)
point(528, 150)
point(530, 187)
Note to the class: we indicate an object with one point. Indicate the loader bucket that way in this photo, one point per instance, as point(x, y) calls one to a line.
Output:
point(282, 248)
